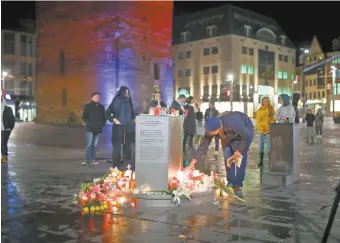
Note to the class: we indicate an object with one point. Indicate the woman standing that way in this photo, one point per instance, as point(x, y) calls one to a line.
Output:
point(319, 123)
point(286, 113)
point(189, 125)
point(264, 116)
point(121, 113)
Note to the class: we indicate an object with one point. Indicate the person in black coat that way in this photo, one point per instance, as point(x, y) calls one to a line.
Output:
point(178, 104)
point(189, 125)
point(121, 113)
point(156, 100)
point(7, 125)
point(212, 112)
point(95, 119)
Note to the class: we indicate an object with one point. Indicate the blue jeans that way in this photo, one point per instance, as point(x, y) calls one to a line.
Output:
point(91, 145)
point(264, 138)
point(235, 176)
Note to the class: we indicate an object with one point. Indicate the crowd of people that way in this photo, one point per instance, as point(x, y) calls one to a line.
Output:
point(233, 130)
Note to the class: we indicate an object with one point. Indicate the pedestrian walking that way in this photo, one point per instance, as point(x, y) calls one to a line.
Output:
point(264, 116)
point(236, 131)
point(95, 119)
point(7, 125)
point(310, 118)
point(286, 113)
point(319, 123)
point(122, 114)
point(210, 112)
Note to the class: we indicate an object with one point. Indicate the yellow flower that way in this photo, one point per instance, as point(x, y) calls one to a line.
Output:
point(92, 209)
point(86, 210)
point(97, 208)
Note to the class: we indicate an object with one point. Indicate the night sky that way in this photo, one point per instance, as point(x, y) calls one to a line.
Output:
point(299, 20)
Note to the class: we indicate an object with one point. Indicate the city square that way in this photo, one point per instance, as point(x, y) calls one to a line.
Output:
point(38, 187)
point(169, 121)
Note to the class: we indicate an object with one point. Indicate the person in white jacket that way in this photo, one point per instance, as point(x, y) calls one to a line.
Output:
point(286, 113)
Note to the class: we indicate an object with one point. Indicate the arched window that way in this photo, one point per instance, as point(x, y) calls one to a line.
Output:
point(62, 62)
point(266, 35)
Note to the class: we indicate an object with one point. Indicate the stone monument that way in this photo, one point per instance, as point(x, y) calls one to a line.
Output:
point(159, 152)
point(284, 162)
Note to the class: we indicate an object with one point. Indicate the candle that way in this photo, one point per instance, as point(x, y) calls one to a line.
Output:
point(128, 172)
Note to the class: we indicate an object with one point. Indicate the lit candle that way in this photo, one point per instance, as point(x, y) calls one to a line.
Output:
point(128, 172)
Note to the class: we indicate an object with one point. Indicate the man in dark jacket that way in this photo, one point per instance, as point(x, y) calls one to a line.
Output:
point(95, 119)
point(7, 125)
point(179, 104)
point(210, 112)
point(236, 131)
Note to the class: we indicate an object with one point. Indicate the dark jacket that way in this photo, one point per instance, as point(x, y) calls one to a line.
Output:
point(94, 117)
point(207, 113)
point(199, 116)
point(310, 118)
point(189, 125)
point(8, 118)
point(239, 132)
point(175, 105)
point(120, 132)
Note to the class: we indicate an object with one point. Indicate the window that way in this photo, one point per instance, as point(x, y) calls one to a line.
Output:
point(285, 58)
point(23, 45)
point(310, 83)
point(306, 83)
point(319, 95)
point(266, 35)
point(251, 51)
point(337, 89)
point(206, 51)
point(283, 40)
point(62, 67)
point(188, 54)
point(211, 31)
point(244, 69)
point(244, 50)
point(285, 75)
point(337, 73)
point(29, 88)
point(30, 69)
point(23, 87)
point(323, 94)
point(292, 77)
point(310, 95)
point(180, 73)
point(214, 69)
point(8, 43)
point(293, 59)
point(247, 30)
point(180, 55)
point(206, 70)
point(314, 82)
point(23, 69)
point(314, 95)
point(184, 37)
point(8, 66)
point(214, 50)
point(156, 71)
point(279, 74)
point(250, 70)
point(188, 72)
point(315, 58)
point(280, 57)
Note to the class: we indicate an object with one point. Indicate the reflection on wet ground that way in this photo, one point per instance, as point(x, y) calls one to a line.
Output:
point(39, 182)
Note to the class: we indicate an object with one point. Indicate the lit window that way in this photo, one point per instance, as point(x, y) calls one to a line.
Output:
point(250, 70)
point(243, 69)
point(285, 75)
point(279, 74)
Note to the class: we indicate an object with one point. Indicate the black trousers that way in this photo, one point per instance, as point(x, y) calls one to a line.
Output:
point(123, 151)
point(185, 139)
point(4, 142)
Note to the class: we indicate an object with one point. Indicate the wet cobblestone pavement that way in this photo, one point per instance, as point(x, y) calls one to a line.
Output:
point(44, 173)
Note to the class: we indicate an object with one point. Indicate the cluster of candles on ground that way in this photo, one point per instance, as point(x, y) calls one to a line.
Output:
point(117, 189)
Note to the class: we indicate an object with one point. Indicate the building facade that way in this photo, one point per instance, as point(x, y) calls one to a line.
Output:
point(228, 53)
point(18, 64)
point(333, 92)
point(99, 46)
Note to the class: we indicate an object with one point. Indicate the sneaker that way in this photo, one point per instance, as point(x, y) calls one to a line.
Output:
point(85, 162)
point(93, 162)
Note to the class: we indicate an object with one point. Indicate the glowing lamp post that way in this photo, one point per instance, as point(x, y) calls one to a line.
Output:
point(305, 51)
point(230, 78)
point(334, 88)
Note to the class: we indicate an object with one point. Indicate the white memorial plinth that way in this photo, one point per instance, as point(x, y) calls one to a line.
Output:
point(159, 152)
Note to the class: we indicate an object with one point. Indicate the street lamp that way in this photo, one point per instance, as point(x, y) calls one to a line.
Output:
point(334, 88)
point(230, 78)
point(305, 51)
point(4, 74)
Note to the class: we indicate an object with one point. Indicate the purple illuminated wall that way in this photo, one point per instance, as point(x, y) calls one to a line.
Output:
point(77, 45)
